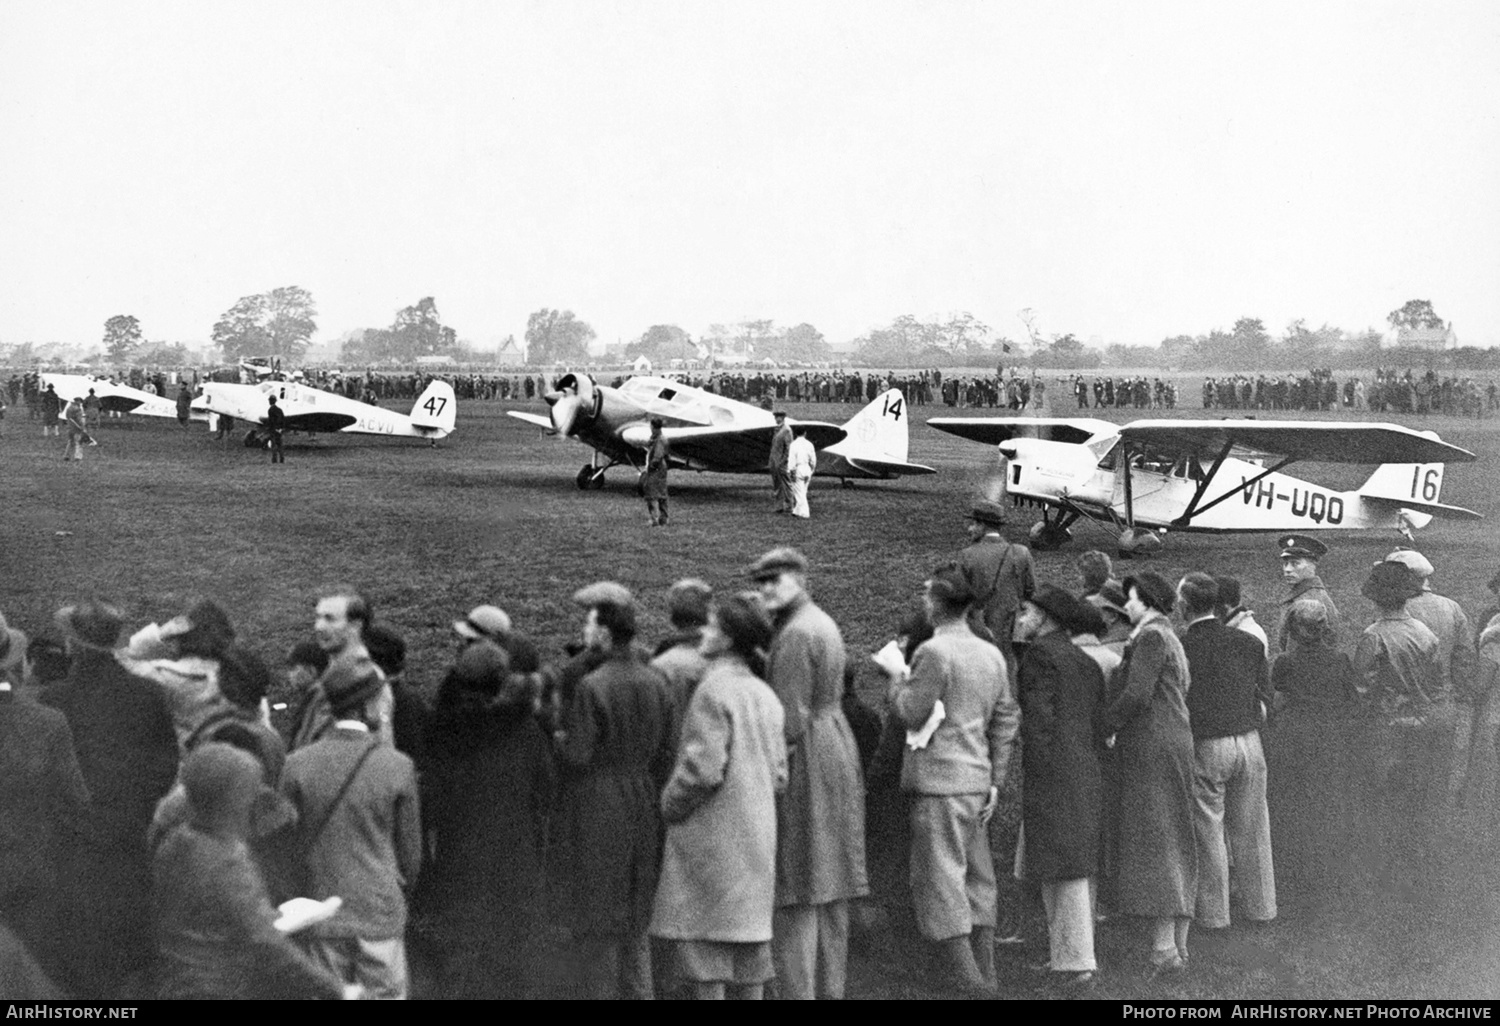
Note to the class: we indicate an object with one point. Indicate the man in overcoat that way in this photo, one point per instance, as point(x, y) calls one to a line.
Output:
point(781, 477)
point(820, 838)
point(1299, 569)
point(614, 744)
point(127, 751)
point(1060, 689)
point(1000, 576)
point(654, 477)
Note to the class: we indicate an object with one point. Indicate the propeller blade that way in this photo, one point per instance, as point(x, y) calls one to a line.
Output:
point(564, 413)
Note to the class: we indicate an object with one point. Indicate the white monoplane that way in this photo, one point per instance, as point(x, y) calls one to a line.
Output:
point(709, 432)
point(1212, 475)
point(312, 409)
point(113, 397)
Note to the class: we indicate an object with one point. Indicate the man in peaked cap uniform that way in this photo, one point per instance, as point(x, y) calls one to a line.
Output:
point(1299, 569)
point(1000, 576)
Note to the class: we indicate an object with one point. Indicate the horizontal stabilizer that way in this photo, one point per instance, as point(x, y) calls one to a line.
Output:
point(884, 468)
point(1437, 509)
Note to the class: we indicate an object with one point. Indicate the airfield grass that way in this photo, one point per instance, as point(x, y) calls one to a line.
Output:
point(156, 514)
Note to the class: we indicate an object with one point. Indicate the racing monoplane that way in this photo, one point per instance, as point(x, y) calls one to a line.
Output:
point(113, 397)
point(314, 410)
point(709, 432)
point(1211, 475)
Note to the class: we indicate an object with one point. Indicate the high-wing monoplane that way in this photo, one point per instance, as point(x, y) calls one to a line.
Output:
point(1212, 475)
point(113, 398)
point(312, 409)
point(709, 432)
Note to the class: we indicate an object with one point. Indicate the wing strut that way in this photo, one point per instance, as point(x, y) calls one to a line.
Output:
point(1129, 494)
point(1193, 507)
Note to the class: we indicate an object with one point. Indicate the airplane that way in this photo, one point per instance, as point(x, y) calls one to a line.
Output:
point(708, 432)
point(113, 398)
point(312, 409)
point(1151, 476)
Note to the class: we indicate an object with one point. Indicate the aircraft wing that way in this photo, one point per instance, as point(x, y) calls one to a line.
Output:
point(730, 449)
point(994, 430)
point(531, 418)
point(1319, 441)
point(881, 468)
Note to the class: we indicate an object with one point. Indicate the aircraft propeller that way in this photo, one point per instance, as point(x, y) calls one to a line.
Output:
point(575, 394)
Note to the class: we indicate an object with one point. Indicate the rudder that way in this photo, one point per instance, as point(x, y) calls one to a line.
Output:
point(1405, 482)
point(879, 430)
point(436, 409)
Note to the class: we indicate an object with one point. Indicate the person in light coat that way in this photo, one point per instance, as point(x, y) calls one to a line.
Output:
point(802, 461)
point(717, 893)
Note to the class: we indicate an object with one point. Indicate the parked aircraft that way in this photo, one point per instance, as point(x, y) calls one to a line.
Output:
point(709, 432)
point(113, 398)
point(1212, 475)
point(312, 409)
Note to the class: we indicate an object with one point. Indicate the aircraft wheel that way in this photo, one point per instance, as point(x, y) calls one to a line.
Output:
point(596, 482)
point(585, 476)
point(1046, 537)
point(252, 439)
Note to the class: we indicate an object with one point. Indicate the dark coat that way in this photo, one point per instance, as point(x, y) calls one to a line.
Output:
point(488, 786)
point(127, 752)
point(654, 478)
point(43, 800)
point(615, 748)
point(1060, 692)
point(214, 926)
point(1231, 680)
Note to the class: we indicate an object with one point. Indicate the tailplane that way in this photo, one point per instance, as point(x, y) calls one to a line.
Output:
point(435, 410)
point(877, 438)
point(1413, 489)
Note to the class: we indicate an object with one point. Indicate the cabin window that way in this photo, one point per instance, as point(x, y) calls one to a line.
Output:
point(1111, 458)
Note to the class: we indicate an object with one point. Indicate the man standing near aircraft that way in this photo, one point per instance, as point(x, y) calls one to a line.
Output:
point(275, 424)
point(1299, 569)
point(654, 477)
point(781, 484)
point(77, 433)
point(802, 460)
point(1000, 576)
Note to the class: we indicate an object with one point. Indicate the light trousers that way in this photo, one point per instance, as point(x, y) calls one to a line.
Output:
point(1070, 925)
point(1233, 829)
point(810, 946)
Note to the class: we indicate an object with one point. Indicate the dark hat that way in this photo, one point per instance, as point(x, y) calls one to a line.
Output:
point(1111, 595)
point(1089, 619)
point(948, 586)
point(777, 562)
point(986, 512)
point(604, 593)
point(1056, 603)
point(1295, 545)
point(351, 682)
point(215, 775)
point(481, 668)
point(1154, 589)
point(1391, 583)
point(779, 415)
point(657, 422)
point(484, 622)
point(92, 624)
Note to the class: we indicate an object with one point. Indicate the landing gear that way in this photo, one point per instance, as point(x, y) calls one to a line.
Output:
point(1047, 535)
point(590, 478)
point(253, 439)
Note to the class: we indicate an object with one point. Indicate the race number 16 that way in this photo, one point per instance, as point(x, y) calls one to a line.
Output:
point(1428, 481)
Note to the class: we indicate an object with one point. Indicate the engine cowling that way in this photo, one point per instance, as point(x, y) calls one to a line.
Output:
point(575, 403)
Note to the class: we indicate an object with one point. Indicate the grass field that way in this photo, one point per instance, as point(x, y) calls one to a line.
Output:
point(156, 513)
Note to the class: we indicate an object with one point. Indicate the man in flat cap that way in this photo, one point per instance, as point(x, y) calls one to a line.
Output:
point(359, 833)
point(1398, 673)
point(1000, 575)
point(613, 741)
point(1299, 569)
point(1060, 688)
point(127, 750)
point(781, 478)
point(677, 657)
point(820, 823)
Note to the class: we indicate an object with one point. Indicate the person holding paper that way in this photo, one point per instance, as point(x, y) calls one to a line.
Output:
point(962, 720)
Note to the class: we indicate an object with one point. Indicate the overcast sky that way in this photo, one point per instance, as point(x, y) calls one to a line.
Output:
point(1126, 171)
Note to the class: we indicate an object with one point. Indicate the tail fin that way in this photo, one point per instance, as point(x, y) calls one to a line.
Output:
point(435, 410)
point(1416, 483)
point(878, 431)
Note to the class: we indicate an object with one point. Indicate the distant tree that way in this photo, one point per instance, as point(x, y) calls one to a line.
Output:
point(662, 342)
point(1416, 313)
point(556, 336)
point(122, 338)
point(805, 344)
point(165, 354)
point(277, 324)
point(1177, 350)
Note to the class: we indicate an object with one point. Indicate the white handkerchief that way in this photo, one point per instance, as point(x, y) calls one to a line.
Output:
point(916, 740)
point(891, 660)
